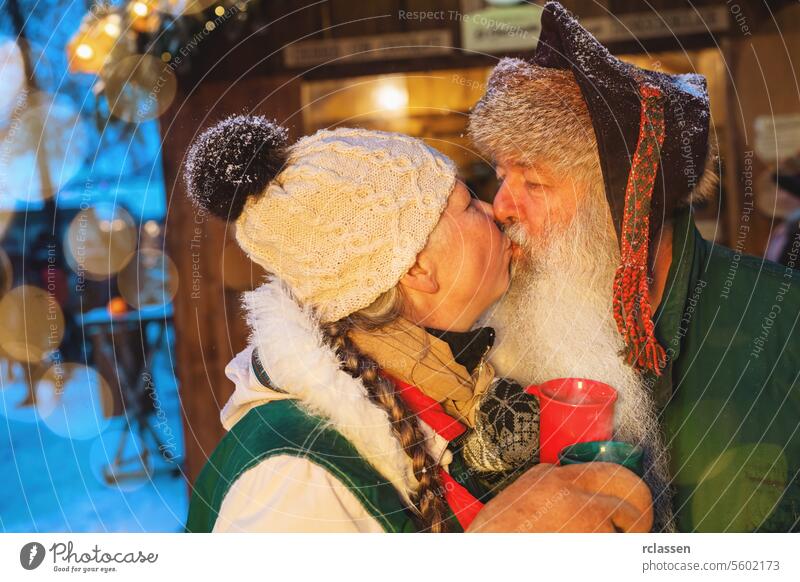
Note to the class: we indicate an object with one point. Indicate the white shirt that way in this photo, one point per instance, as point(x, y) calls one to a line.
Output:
point(285, 493)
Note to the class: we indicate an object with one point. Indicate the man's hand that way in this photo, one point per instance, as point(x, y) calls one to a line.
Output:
point(591, 497)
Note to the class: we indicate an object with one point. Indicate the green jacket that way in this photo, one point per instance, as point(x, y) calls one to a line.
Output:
point(730, 395)
point(283, 428)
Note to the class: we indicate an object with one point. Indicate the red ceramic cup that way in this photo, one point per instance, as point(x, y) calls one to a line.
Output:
point(572, 410)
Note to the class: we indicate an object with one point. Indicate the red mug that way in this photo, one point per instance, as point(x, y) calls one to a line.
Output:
point(572, 410)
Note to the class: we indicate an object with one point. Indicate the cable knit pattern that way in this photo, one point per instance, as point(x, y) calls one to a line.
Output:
point(347, 217)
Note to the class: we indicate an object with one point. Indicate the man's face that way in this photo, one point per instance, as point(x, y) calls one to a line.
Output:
point(556, 321)
point(537, 197)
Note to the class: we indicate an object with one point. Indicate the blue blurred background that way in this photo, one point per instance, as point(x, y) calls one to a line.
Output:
point(90, 426)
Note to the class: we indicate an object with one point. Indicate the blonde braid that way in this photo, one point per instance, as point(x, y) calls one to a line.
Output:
point(405, 425)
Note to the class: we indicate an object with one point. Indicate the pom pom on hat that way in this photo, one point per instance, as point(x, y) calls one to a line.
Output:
point(232, 160)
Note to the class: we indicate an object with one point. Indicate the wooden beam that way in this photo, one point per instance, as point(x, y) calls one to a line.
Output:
point(209, 324)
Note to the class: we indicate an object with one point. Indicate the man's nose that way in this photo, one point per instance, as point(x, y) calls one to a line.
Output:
point(505, 206)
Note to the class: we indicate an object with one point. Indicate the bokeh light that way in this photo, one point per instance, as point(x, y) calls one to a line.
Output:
point(149, 279)
point(139, 88)
point(48, 129)
point(100, 241)
point(33, 323)
point(73, 400)
point(12, 71)
point(179, 7)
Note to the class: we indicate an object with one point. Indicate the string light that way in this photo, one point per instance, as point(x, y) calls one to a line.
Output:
point(84, 51)
point(91, 46)
point(115, 26)
point(140, 9)
point(111, 26)
point(143, 16)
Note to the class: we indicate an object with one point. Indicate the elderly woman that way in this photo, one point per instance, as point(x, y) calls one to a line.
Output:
point(364, 401)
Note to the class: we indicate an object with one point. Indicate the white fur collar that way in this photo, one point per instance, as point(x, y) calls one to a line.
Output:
point(294, 355)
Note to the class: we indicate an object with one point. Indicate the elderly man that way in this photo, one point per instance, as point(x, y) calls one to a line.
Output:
point(601, 163)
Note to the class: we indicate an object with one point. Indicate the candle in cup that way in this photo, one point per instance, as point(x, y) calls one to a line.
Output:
point(625, 454)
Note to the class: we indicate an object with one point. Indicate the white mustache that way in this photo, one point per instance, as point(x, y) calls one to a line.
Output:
point(518, 235)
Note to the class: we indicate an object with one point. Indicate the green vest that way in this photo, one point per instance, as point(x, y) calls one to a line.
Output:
point(730, 396)
point(283, 428)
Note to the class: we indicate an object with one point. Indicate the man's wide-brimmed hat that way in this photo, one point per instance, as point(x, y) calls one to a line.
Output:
point(617, 94)
point(652, 134)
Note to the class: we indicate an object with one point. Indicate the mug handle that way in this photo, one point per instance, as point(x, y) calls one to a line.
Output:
point(534, 389)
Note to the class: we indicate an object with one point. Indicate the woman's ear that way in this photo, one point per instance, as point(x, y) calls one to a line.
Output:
point(421, 277)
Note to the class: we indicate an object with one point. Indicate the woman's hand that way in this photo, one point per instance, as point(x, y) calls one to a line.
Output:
point(591, 497)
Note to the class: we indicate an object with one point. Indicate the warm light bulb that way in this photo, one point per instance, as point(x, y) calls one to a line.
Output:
point(140, 9)
point(84, 51)
point(111, 29)
point(391, 98)
point(219, 10)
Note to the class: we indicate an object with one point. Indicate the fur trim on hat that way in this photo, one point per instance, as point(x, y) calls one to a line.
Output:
point(708, 186)
point(531, 114)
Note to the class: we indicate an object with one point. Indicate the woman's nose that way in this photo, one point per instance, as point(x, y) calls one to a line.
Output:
point(505, 207)
point(486, 208)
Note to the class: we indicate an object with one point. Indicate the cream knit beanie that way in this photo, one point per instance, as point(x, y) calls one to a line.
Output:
point(344, 219)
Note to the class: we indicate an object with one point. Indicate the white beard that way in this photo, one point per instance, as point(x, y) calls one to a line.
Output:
point(556, 321)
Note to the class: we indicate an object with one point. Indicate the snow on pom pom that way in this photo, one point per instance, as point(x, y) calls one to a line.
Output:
point(235, 158)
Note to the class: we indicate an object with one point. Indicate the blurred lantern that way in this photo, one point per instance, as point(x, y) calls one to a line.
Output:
point(33, 323)
point(391, 96)
point(143, 15)
point(117, 306)
point(91, 46)
point(100, 241)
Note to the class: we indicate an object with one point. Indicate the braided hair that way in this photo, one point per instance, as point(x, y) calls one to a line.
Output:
point(430, 504)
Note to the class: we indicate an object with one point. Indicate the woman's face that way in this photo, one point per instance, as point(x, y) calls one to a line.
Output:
point(470, 257)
